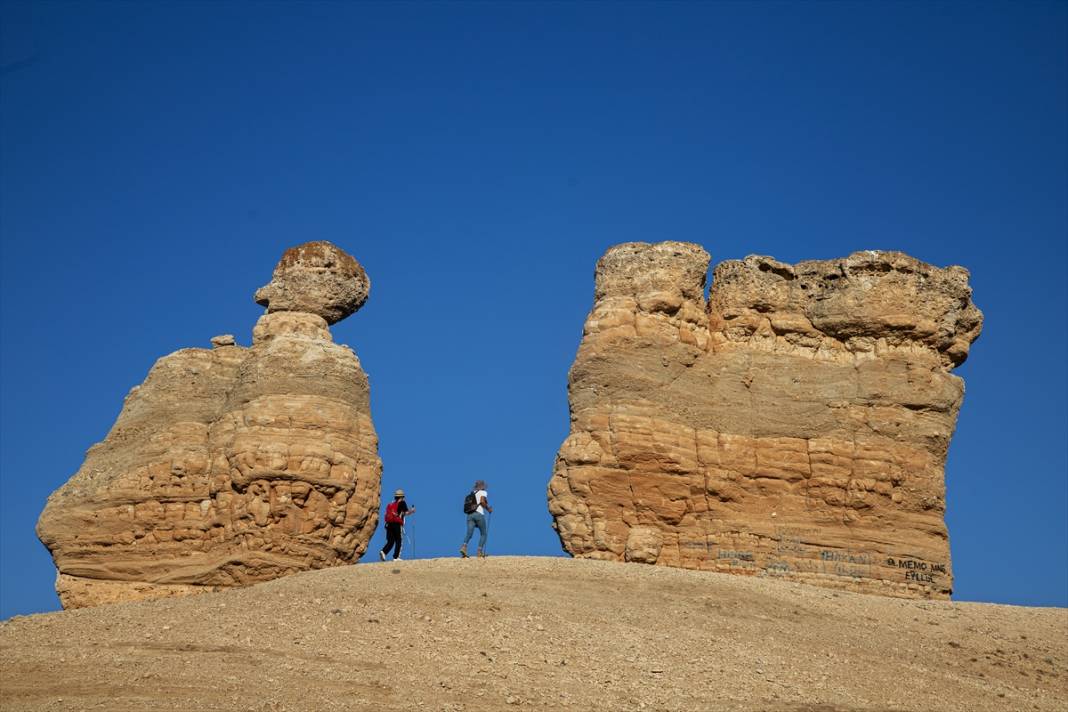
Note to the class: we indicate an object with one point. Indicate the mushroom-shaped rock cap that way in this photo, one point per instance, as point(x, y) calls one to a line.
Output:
point(318, 278)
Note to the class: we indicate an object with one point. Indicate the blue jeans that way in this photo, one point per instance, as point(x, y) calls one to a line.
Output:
point(474, 519)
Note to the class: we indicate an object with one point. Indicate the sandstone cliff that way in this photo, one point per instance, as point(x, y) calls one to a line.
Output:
point(794, 426)
point(231, 465)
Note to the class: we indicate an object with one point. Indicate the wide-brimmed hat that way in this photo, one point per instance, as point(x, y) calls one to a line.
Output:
point(398, 493)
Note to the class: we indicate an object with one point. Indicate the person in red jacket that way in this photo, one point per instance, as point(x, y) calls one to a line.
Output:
point(396, 512)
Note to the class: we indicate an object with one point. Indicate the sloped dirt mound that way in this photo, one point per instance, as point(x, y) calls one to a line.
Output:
point(535, 633)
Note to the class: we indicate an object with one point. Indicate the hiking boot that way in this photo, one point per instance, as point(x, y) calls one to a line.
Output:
point(463, 551)
point(382, 556)
point(481, 554)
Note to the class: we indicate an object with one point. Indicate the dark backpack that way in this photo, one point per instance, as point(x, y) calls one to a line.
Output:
point(470, 503)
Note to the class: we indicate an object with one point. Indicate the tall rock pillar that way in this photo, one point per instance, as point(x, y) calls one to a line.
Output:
point(795, 426)
point(231, 465)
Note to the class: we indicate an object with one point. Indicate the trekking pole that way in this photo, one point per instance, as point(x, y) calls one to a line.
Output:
point(411, 543)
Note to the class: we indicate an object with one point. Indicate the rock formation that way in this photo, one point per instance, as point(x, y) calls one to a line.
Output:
point(231, 465)
point(795, 426)
point(316, 278)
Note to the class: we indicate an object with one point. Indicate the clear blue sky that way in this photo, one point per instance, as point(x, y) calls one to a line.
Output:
point(477, 159)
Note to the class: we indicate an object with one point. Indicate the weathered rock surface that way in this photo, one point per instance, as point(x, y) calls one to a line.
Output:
point(795, 426)
point(318, 278)
point(227, 466)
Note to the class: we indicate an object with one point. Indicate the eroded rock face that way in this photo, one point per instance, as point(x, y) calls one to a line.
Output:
point(226, 467)
point(795, 426)
point(318, 278)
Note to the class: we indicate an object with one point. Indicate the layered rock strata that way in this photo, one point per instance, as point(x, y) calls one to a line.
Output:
point(230, 465)
point(794, 426)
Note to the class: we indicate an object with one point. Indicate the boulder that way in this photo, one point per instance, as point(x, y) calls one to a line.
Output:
point(227, 466)
point(795, 426)
point(317, 278)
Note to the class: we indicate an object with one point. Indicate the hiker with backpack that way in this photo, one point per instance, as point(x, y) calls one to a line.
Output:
point(396, 512)
point(477, 509)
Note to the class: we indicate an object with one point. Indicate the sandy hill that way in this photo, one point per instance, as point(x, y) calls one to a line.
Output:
point(535, 633)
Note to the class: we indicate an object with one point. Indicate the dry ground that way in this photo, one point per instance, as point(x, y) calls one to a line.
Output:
point(535, 633)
